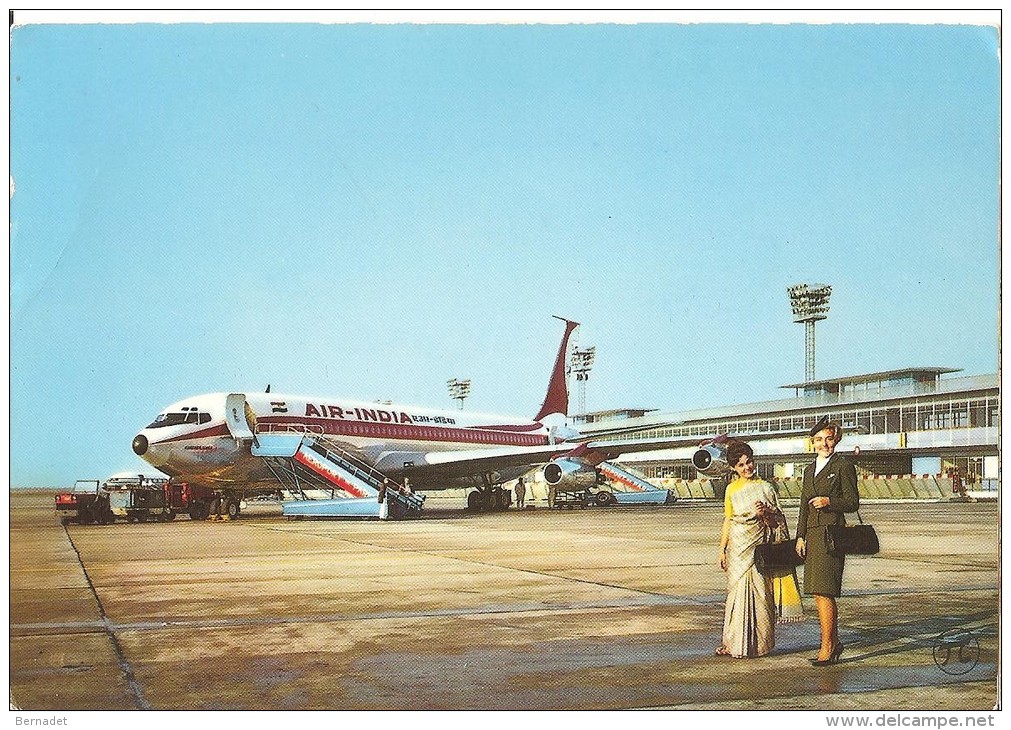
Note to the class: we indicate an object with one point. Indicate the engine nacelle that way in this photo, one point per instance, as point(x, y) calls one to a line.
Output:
point(711, 460)
point(570, 475)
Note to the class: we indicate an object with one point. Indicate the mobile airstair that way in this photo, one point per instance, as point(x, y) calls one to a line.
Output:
point(307, 463)
point(635, 489)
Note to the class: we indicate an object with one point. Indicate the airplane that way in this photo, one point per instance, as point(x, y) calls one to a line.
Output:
point(243, 443)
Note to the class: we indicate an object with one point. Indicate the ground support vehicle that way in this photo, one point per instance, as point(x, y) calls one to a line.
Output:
point(139, 503)
point(604, 498)
point(572, 499)
point(88, 502)
point(201, 503)
point(657, 496)
point(141, 499)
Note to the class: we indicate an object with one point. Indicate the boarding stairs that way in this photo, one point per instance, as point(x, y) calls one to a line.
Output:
point(635, 488)
point(304, 462)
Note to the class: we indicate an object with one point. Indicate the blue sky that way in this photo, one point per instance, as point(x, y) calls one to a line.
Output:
point(369, 210)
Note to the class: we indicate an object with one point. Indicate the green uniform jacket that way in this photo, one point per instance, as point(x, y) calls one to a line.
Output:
point(838, 481)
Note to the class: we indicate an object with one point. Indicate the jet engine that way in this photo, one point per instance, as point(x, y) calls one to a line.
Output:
point(571, 475)
point(711, 460)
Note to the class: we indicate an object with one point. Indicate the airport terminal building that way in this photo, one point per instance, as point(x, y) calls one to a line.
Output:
point(914, 421)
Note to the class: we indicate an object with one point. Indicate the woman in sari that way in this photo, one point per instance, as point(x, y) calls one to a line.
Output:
point(754, 601)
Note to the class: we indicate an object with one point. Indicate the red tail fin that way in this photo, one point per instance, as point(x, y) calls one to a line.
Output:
point(557, 398)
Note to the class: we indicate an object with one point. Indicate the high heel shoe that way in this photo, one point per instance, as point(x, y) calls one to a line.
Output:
point(832, 659)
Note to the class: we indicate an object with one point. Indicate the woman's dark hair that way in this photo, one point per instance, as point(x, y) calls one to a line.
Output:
point(736, 450)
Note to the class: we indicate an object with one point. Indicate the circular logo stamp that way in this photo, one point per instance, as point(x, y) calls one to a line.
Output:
point(956, 651)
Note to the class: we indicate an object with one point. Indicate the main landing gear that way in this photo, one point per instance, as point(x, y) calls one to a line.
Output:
point(224, 506)
point(489, 498)
point(220, 506)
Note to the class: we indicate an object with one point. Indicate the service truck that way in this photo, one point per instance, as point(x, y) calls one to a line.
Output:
point(135, 498)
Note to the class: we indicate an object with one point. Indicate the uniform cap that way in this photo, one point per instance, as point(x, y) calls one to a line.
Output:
point(822, 423)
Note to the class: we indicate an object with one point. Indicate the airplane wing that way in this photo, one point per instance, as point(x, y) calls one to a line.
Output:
point(626, 445)
point(438, 466)
point(709, 458)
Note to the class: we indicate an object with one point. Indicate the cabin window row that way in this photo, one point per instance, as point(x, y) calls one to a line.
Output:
point(441, 434)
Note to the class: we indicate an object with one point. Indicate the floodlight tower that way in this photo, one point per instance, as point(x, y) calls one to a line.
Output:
point(580, 363)
point(809, 303)
point(458, 390)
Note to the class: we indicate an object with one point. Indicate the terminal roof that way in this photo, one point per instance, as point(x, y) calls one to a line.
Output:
point(916, 374)
point(611, 414)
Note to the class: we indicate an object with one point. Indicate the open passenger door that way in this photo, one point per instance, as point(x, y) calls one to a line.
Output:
point(240, 418)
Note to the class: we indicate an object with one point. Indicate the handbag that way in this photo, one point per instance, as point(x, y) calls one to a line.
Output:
point(859, 539)
point(775, 557)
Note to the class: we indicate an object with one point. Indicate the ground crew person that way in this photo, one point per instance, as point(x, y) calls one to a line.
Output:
point(384, 499)
point(956, 482)
point(521, 493)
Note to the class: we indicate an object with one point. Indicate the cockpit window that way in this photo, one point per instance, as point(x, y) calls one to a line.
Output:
point(186, 415)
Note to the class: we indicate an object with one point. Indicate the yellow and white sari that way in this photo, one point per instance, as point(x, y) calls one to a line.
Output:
point(754, 601)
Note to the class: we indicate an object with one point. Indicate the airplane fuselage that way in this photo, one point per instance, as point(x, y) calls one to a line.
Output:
point(191, 439)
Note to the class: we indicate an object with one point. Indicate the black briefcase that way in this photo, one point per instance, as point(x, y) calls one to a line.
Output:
point(775, 557)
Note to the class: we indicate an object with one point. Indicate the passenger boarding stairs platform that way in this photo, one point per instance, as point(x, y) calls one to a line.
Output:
point(305, 462)
point(636, 490)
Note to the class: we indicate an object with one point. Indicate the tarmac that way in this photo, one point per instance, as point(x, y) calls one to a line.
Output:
point(596, 609)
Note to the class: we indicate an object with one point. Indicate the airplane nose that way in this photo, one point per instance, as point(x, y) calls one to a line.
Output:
point(140, 444)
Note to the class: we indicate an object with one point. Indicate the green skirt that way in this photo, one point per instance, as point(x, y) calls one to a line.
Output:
point(822, 572)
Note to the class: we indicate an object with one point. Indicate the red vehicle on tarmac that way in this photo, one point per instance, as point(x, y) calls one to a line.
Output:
point(85, 503)
point(135, 498)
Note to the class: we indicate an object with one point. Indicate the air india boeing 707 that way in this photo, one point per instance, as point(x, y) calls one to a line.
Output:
point(236, 443)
